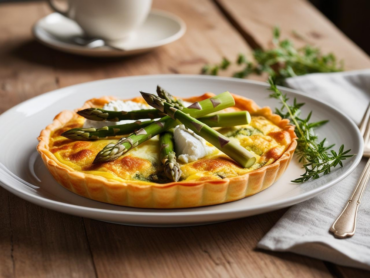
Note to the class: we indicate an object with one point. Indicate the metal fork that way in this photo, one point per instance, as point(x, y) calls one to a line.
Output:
point(345, 225)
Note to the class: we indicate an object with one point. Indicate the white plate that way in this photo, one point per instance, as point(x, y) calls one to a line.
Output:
point(160, 28)
point(24, 122)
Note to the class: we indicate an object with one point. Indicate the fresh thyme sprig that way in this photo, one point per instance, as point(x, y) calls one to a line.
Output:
point(281, 62)
point(317, 158)
point(213, 70)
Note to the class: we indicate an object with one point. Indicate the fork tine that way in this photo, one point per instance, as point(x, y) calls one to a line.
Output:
point(365, 121)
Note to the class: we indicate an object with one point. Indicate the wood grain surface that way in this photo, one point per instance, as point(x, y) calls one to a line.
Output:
point(298, 21)
point(36, 242)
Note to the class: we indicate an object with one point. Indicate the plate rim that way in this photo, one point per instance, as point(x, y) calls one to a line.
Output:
point(165, 213)
point(106, 52)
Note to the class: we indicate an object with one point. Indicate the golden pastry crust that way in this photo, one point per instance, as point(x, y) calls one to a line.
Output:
point(181, 194)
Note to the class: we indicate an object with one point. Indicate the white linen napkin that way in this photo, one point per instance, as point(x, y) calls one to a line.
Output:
point(304, 229)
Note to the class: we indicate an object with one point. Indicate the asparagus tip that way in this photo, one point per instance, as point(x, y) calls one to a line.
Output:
point(109, 153)
point(82, 112)
point(158, 89)
point(173, 173)
point(95, 114)
point(172, 167)
point(153, 101)
point(76, 134)
point(147, 97)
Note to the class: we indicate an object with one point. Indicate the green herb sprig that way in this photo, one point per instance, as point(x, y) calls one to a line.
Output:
point(281, 62)
point(317, 158)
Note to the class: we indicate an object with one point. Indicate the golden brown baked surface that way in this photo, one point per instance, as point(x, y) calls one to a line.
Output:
point(268, 137)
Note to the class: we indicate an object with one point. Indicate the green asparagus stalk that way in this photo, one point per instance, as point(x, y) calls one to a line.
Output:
point(235, 151)
point(167, 157)
point(113, 151)
point(198, 109)
point(169, 98)
point(227, 119)
point(98, 114)
point(88, 134)
point(166, 96)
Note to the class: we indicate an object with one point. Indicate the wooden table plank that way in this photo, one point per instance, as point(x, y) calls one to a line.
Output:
point(256, 19)
point(33, 241)
point(348, 272)
point(22, 78)
point(48, 243)
point(6, 237)
point(218, 250)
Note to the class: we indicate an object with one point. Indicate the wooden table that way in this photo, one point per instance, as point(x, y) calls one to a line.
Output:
point(36, 242)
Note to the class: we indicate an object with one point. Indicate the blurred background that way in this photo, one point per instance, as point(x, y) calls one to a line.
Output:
point(350, 16)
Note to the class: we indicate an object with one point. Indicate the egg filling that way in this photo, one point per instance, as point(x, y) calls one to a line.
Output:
point(265, 140)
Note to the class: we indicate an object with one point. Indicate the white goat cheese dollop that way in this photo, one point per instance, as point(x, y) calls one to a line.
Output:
point(189, 146)
point(117, 105)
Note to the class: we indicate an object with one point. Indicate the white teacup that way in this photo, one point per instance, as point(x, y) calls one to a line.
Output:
point(107, 19)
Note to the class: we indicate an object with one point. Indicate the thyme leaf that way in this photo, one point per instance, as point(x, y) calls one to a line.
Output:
point(317, 158)
point(282, 61)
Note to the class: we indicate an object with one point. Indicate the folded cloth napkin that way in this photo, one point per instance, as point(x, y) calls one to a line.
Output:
point(304, 229)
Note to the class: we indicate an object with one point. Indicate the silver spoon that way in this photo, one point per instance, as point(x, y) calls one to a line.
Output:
point(94, 43)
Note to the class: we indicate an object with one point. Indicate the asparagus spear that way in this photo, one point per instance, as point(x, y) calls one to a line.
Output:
point(88, 134)
point(166, 96)
point(198, 109)
point(98, 114)
point(169, 98)
point(167, 156)
point(113, 151)
point(227, 119)
point(235, 151)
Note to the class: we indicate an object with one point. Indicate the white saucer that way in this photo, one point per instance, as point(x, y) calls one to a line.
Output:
point(160, 28)
point(23, 173)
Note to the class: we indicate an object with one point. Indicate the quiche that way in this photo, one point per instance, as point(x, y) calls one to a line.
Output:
point(213, 179)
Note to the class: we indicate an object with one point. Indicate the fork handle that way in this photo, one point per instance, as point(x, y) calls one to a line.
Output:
point(345, 225)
